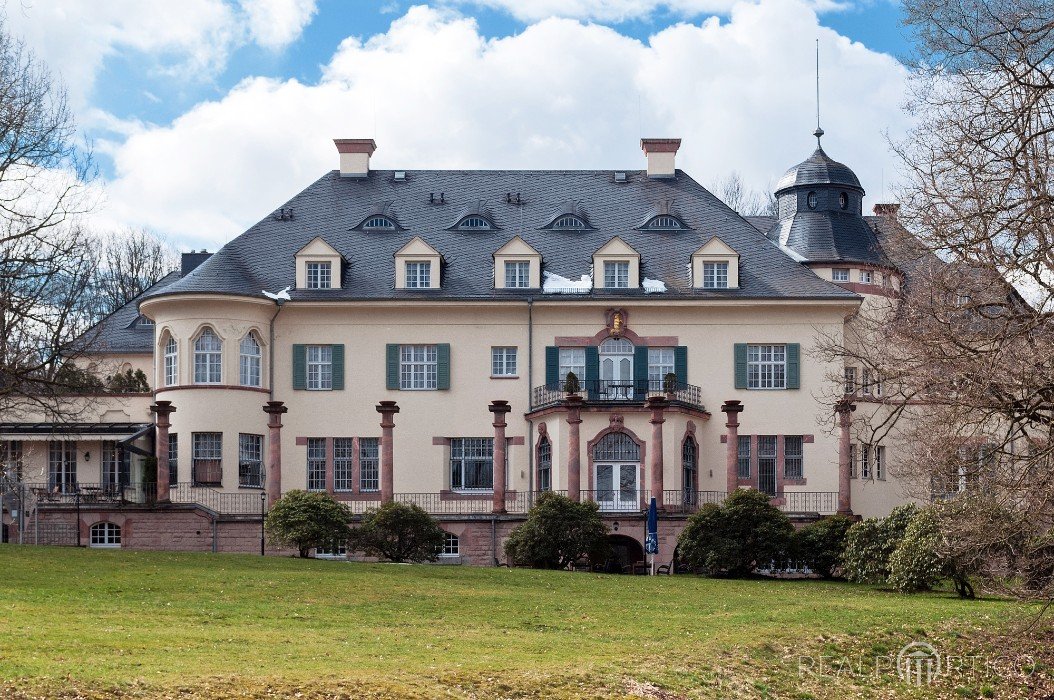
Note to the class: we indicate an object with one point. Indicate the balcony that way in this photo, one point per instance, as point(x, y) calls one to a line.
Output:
point(614, 392)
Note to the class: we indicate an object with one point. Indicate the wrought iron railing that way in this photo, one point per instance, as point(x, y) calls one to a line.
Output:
point(92, 493)
point(223, 502)
point(613, 391)
point(689, 501)
point(822, 502)
point(618, 500)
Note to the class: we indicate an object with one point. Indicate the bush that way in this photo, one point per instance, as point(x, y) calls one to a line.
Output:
point(304, 520)
point(819, 545)
point(916, 564)
point(734, 538)
point(870, 543)
point(399, 532)
point(571, 384)
point(557, 532)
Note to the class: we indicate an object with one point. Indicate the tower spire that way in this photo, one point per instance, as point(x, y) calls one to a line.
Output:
point(819, 131)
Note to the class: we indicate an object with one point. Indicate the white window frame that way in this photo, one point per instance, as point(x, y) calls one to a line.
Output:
point(867, 277)
point(880, 462)
point(767, 367)
point(517, 274)
point(208, 358)
point(343, 464)
point(421, 277)
point(378, 223)
point(319, 367)
point(470, 450)
point(849, 381)
point(418, 367)
point(206, 447)
point(840, 274)
point(451, 545)
point(474, 222)
point(250, 361)
point(369, 465)
point(665, 222)
point(104, 535)
point(660, 363)
point(865, 460)
point(316, 464)
point(715, 275)
point(319, 274)
point(616, 274)
point(569, 222)
point(503, 361)
point(572, 360)
point(171, 362)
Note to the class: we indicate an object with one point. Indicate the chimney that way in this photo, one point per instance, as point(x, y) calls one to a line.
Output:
point(191, 260)
point(889, 210)
point(355, 156)
point(661, 153)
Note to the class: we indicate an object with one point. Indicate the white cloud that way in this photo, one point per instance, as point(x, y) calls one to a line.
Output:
point(435, 93)
point(189, 39)
point(617, 10)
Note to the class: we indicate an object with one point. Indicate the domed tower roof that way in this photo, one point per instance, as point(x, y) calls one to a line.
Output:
point(818, 169)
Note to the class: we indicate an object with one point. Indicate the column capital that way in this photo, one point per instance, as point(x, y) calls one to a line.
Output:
point(731, 407)
point(274, 411)
point(499, 409)
point(163, 409)
point(844, 410)
point(657, 404)
point(387, 409)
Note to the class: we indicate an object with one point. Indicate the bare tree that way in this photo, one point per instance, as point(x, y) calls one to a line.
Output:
point(745, 201)
point(965, 350)
point(130, 262)
point(46, 262)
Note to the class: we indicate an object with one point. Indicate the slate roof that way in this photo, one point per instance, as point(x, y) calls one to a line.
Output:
point(262, 258)
point(121, 332)
point(818, 169)
point(860, 241)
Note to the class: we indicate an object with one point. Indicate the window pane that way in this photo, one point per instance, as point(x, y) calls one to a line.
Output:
point(792, 451)
point(250, 461)
point(316, 464)
point(369, 464)
point(471, 463)
point(343, 462)
point(766, 366)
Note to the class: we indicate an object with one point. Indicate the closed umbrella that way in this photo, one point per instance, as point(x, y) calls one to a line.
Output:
point(651, 539)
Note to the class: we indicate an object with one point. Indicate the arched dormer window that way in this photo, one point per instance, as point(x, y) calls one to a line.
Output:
point(208, 358)
point(569, 222)
point(171, 362)
point(474, 223)
point(250, 361)
point(378, 223)
point(665, 222)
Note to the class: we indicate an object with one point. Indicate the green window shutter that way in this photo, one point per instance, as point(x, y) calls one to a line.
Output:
point(443, 366)
point(338, 367)
point(793, 366)
point(552, 367)
point(680, 363)
point(592, 365)
point(299, 367)
point(392, 365)
point(741, 365)
point(640, 369)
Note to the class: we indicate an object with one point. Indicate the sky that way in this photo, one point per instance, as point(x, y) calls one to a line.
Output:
point(204, 116)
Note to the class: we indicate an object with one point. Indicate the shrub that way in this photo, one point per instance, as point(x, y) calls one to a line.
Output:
point(734, 538)
point(557, 532)
point(870, 543)
point(399, 532)
point(571, 384)
point(916, 564)
point(304, 520)
point(819, 545)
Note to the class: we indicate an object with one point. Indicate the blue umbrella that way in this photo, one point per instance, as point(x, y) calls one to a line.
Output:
point(651, 539)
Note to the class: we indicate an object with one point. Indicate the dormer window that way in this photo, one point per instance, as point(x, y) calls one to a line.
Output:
point(378, 223)
point(811, 200)
point(616, 274)
point(319, 275)
point(715, 266)
point(569, 222)
point(418, 275)
point(665, 222)
point(474, 223)
point(144, 322)
point(417, 266)
point(715, 275)
point(616, 265)
point(843, 200)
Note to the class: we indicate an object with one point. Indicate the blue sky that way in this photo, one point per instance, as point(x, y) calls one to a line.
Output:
point(236, 94)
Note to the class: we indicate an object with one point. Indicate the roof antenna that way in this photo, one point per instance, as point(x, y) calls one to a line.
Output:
point(819, 132)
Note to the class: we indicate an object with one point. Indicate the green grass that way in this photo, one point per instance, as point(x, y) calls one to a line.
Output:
point(83, 623)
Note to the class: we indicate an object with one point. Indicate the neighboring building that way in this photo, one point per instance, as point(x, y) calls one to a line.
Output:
point(428, 323)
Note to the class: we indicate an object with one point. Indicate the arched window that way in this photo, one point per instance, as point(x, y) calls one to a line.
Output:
point(690, 469)
point(451, 545)
point(545, 464)
point(474, 223)
point(249, 361)
point(616, 369)
point(208, 358)
point(616, 447)
point(382, 223)
point(569, 222)
point(105, 535)
point(843, 200)
point(811, 200)
point(665, 222)
point(171, 362)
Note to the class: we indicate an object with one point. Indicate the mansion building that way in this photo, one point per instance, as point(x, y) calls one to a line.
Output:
point(409, 335)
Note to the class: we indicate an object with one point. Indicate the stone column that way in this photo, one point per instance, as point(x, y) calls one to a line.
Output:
point(573, 403)
point(274, 411)
point(499, 409)
point(162, 409)
point(387, 409)
point(844, 410)
point(732, 409)
point(657, 404)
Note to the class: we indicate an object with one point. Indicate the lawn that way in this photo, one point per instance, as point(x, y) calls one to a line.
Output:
point(89, 623)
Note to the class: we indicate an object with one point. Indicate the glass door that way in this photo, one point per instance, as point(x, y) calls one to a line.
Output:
point(617, 488)
point(616, 369)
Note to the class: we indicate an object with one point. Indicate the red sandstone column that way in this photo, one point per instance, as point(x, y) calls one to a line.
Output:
point(163, 409)
point(499, 409)
point(274, 411)
point(732, 409)
point(387, 409)
point(844, 409)
point(573, 402)
point(657, 404)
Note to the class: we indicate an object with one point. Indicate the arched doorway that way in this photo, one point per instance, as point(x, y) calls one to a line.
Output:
point(616, 458)
point(616, 369)
point(625, 552)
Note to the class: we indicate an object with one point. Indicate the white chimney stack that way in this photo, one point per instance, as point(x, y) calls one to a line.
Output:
point(661, 153)
point(355, 156)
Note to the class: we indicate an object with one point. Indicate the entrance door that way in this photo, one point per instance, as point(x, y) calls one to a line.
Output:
point(617, 488)
point(616, 369)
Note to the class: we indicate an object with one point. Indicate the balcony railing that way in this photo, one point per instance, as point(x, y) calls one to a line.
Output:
point(822, 502)
point(613, 391)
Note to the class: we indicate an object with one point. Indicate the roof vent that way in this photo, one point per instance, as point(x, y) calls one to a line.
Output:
point(432, 199)
point(399, 176)
point(513, 199)
point(283, 214)
point(620, 176)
